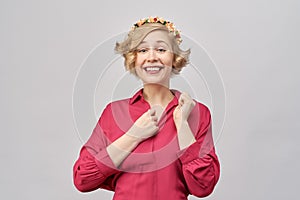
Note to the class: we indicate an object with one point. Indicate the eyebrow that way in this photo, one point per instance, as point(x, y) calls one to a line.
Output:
point(158, 41)
point(161, 41)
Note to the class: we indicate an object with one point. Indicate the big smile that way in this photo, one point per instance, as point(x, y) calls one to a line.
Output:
point(153, 69)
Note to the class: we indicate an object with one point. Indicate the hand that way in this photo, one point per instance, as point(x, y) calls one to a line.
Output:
point(145, 126)
point(183, 110)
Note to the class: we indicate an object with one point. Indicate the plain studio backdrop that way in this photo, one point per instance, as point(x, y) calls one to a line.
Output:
point(254, 45)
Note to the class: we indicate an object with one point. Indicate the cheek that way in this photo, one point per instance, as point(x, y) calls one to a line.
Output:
point(139, 60)
point(168, 60)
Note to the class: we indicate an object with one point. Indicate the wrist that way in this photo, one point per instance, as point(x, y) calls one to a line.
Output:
point(185, 135)
point(180, 124)
point(132, 139)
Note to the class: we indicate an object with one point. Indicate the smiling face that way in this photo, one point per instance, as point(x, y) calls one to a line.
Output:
point(154, 58)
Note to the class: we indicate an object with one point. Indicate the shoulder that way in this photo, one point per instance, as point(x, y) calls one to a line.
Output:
point(203, 110)
point(116, 118)
point(205, 119)
point(116, 109)
point(117, 103)
point(202, 107)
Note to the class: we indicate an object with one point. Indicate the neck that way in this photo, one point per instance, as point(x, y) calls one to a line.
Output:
point(157, 94)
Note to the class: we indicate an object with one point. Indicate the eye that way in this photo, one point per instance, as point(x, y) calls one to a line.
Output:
point(143, 50)
point(161, 50)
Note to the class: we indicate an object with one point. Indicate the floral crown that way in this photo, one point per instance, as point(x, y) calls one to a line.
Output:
point(159, 20)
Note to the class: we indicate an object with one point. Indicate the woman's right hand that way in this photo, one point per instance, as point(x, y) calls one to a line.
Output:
point(145, 126)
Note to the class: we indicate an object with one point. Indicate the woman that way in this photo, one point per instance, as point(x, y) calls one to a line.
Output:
point(157, 144)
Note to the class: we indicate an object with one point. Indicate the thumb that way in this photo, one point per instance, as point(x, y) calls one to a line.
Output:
point(151, 112)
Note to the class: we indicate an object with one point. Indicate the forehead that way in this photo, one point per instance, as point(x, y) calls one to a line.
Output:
point(157, 36)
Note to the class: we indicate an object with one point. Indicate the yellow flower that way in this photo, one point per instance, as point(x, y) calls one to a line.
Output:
point(151, 20)
point(141, 22)
point(161, 20)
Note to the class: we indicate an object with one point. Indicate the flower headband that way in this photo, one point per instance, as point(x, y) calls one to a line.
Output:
point(159, 20)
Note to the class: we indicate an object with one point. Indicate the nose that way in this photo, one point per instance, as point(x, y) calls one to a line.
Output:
point(152, 57)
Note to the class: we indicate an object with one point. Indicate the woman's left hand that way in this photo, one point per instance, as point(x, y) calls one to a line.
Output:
point(183, 110)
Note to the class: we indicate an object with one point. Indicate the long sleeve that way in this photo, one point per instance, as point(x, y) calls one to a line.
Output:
point(200, 165)
point(94, 168)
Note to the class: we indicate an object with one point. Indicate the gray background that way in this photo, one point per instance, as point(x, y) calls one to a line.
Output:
point(255, 45)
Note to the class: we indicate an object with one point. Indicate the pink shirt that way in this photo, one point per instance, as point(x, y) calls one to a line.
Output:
point(156, 169)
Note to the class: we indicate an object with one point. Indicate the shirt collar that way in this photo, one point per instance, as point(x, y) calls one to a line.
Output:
point(139, 95)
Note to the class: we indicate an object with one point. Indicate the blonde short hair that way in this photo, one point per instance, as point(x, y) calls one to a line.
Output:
point(128, 47)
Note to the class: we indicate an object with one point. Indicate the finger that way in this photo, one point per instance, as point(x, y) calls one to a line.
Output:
point(151, 112)
point(186, 98)
point(181, 100)
point(155, 124)
point(184, 94)
point(154, 118)
point(178, 108)
point(187, 95)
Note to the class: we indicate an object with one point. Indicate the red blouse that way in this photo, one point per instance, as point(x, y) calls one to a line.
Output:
point(156, 169)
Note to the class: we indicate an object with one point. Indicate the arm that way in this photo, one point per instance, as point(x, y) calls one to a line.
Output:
point(144, 127)
point(180, 116)
point(200, 165)
point(99, 160)
point(90, 174)
point(121, 148)
point(94, 168)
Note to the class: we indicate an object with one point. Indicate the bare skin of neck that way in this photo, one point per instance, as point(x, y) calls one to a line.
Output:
point(156, 94)
point(158, 97)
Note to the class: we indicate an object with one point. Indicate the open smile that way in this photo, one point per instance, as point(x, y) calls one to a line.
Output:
point(153, 69)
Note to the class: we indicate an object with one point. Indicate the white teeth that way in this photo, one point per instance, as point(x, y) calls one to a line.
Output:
point(152, 68)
